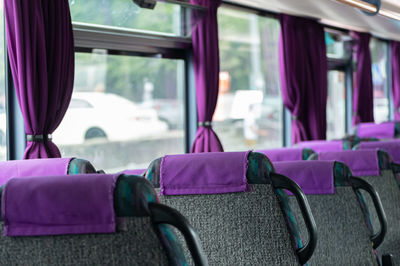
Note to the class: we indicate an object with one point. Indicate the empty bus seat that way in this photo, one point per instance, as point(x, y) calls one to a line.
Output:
point(392, 147)
point(44, 167)
point(91, 220)
point(343, 237)
point(287, 154)
point(140, 172)
point(385, 130)
point(324, 145)
point(235, 202)
point(375, 167)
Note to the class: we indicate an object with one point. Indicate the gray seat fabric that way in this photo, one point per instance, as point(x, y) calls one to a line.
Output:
point(389, 192)
point(239, 228)
point(137, 244)
point(343, 237)
point(244, 228)
point(138, 241)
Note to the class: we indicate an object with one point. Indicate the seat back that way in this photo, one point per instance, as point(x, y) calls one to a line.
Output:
point(323, 145)
point(287, 154)
point(44, 167)
point(242, 228)
point(392, 147)
point(343, 237)
point(144, 236)
point(386, 184)
point(385, 130)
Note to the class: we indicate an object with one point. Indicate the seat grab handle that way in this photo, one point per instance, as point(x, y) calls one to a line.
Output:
point(283, 182)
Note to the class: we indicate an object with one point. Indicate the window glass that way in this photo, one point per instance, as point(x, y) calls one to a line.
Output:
point(336, 105)
point(338, 45)
point(3, 147)
point(249, 108)
point(125, 110)
point(379, 79)
point(164, 18)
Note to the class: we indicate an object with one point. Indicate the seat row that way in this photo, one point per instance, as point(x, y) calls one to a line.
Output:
point(237, 202)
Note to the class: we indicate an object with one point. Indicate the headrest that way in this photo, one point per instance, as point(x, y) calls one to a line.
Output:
point(392, 147)
point(314, 177)
point(204, 173)
point(33, 167)
point(131, 197)
point(285, 154)
point(55, 205)
point(135, 172)
point(361, 162)
point(322, 145)
point(385, 130)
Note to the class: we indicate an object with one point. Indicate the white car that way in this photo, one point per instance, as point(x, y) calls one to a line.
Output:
point(109, 116)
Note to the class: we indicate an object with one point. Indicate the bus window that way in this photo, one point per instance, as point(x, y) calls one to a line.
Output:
point(125, 110)
point(249, 109)
point(164, 18)
point(336, 105)
point(379, 79)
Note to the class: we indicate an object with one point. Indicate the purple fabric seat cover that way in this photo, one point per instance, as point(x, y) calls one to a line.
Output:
point(392, 147)
point(361, 162)
point(383, 130)
point(283, 154)
point(135, 171)
point(56, 205)
point(314, 177)
point(33, 167)
point(322, 145)
point(204, 173)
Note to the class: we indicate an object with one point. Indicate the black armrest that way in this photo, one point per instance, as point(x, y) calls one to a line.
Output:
point(283, 182)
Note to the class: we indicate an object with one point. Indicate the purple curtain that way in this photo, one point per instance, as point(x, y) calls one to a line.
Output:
point(303, 71)
point(41, 52)
point(396, 78)
point(206, 68)
point(363, 106)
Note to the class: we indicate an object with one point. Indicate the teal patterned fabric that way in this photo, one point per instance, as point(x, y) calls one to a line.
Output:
point(307, 153)
point(259, 168)
point(397, 129)
point(80, 166)
point(385, 161)
point(132, 195)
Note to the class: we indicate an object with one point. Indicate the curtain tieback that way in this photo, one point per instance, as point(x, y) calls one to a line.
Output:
point(39, 138)
point(294, 117)
point(205, 124)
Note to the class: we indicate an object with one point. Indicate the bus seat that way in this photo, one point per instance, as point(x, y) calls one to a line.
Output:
point(287, 154)
point(251, 226)
point(142, 234)
point(385, 130)
point(343, 237)
point(140, 172)
point(375, 167)
point(322, 145)
point(392, 147)
point(45, 167)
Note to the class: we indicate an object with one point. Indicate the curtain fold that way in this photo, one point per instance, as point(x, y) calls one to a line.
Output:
point(206, 68)
point(41, 53)
point(395, 59)
point(303, 72)
point(363, 90)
